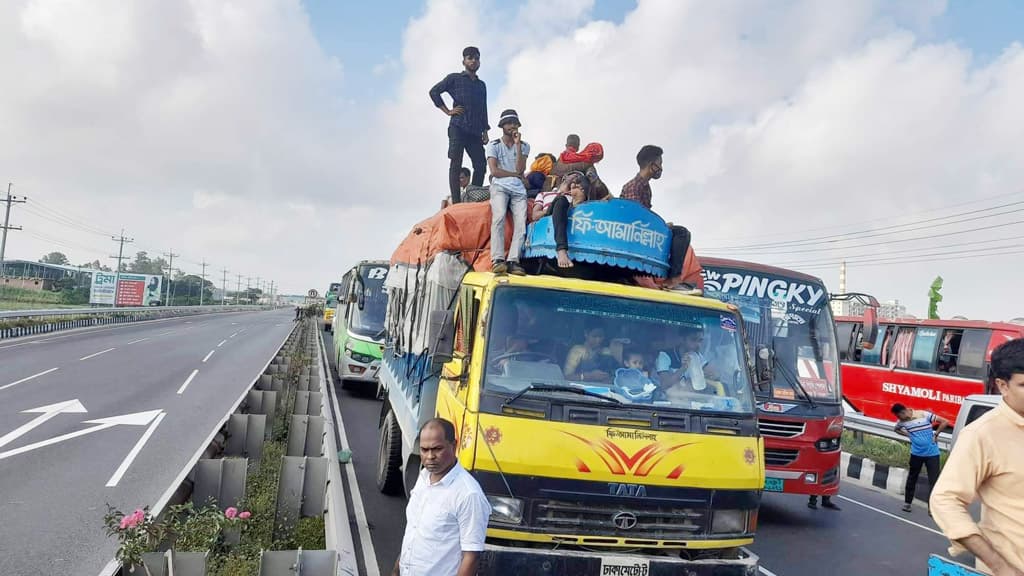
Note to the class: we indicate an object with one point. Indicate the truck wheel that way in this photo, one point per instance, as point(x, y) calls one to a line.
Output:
point(389, 457)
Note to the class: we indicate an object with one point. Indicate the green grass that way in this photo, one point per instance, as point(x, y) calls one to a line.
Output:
point(882, 450)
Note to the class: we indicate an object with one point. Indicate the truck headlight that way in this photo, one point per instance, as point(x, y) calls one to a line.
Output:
point(828, 444)
point(506, 510)
point(729, 522)
point(357, 356)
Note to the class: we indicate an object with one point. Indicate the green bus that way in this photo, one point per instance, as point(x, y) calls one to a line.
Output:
point(359, 323)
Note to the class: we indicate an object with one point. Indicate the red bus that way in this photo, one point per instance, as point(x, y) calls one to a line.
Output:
point(791, 337)
point(926, 364)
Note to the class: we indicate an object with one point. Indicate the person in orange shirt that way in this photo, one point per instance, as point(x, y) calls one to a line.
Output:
point(987, 463)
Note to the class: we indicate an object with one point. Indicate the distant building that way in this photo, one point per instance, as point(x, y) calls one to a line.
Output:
point(29, 275)
point(890, 309)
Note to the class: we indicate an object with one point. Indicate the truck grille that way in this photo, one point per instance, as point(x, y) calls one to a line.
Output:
point(779, 457)
point(655, 522)
point(780, 428)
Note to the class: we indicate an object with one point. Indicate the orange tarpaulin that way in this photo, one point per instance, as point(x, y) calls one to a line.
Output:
point(691, 273)
point(464, 228)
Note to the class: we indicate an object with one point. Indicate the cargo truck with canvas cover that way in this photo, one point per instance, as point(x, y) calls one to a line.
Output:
point(591, 463)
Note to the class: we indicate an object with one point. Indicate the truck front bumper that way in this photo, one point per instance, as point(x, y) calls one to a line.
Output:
point(514, 561)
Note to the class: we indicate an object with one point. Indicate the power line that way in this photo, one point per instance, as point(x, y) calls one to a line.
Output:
point(888, 252)
point(887, 242)
point(863, 234)
point(920, 258)
point(883, 219)
point(58, 218)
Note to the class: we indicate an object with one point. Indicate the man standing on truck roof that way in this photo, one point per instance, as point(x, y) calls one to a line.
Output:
point(922, 427)
point(639, 190)
point(467, 129)
point(506, 159)
point(987, 463)
point(446, 519)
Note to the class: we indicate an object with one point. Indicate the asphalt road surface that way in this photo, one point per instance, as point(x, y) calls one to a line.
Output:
point(869, 536)
point(112, 415)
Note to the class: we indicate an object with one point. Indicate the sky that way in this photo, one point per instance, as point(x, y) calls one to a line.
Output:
point(287, 139)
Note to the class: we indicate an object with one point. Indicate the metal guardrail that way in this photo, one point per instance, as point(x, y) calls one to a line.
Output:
point(17, 323)
point(883, 428)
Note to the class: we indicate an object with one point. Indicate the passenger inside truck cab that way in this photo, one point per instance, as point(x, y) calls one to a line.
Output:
point(605, 346)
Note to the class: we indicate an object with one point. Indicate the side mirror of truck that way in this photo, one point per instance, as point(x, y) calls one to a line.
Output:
point(765, 367)
point(441, 336)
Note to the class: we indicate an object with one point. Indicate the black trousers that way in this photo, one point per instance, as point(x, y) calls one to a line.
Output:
point(929, 462)
point(559, 211)
point(677, 253)
point(460, 141)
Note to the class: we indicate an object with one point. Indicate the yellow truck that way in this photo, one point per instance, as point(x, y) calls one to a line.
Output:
point(592, 464)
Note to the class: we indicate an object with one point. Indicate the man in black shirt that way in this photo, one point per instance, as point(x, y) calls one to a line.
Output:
point(467, 129)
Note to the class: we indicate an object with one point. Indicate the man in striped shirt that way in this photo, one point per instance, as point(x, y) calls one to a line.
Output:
point(922, 427)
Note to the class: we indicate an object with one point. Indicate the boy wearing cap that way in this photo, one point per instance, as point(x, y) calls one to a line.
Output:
point(467, 129)
point(506, 159)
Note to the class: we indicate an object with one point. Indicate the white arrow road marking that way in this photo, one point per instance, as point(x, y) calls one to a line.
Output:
point(97, 354)
point(43, 373)
point(45, 413)
point(208, 355)
point(135, 452)
point(137, 419)
point(188, 381)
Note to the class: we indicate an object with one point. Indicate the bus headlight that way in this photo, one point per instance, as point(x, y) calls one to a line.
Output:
point(729, 522)
point(506, 510)
point(357, 356)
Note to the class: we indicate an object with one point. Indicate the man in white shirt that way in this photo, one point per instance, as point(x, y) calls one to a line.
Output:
point(446, 519)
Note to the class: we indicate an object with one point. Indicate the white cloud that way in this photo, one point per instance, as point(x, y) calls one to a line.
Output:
point(223, 130)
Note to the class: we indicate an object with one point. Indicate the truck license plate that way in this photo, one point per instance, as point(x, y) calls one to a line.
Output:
point(773, 484)
point(619, 566)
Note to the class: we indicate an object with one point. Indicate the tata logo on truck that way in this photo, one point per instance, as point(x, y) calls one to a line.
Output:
point(753, 285)
point(630, 490)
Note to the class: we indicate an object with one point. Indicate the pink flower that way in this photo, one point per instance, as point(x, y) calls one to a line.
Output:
point(245, 515)
point(138, 516)
point(125, 522)
point(231, 512)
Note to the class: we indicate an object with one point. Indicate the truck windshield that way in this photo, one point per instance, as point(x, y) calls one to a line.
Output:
point(792, 318)
point(634, 352)
point(369, 301)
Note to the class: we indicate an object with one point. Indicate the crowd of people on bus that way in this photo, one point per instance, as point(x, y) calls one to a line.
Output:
point(551, 187)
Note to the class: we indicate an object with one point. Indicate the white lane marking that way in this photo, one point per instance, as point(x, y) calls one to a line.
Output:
point(893, 516)
point(97, 354)
point(135, 452)
point(188, 381)
point(43, 373)
point(222, 342)
point(166, 333)
point(766, 571)
point(369, 554)
point(233, 335)
point(208, 355)
point(137, 341)
point(47, 412)
point(136, 419)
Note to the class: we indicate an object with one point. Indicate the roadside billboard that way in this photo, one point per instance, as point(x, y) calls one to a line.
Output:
point(133, 289)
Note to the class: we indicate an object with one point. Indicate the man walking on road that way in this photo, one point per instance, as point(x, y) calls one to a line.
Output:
point(446, 519)
point(988, 464)
point(922, 427)
point(467, 129)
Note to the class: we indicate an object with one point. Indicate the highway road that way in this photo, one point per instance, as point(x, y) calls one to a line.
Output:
point(869, 536)
point(112, 415)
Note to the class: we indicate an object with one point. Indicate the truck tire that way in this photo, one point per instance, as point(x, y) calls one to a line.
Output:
point(389, 457)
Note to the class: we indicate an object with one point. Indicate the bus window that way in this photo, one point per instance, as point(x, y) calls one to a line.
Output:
point(949, 350)
point(923, 355)
point(899, 356)
point(844, 340)
point(973, 346)
point(873, 356)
